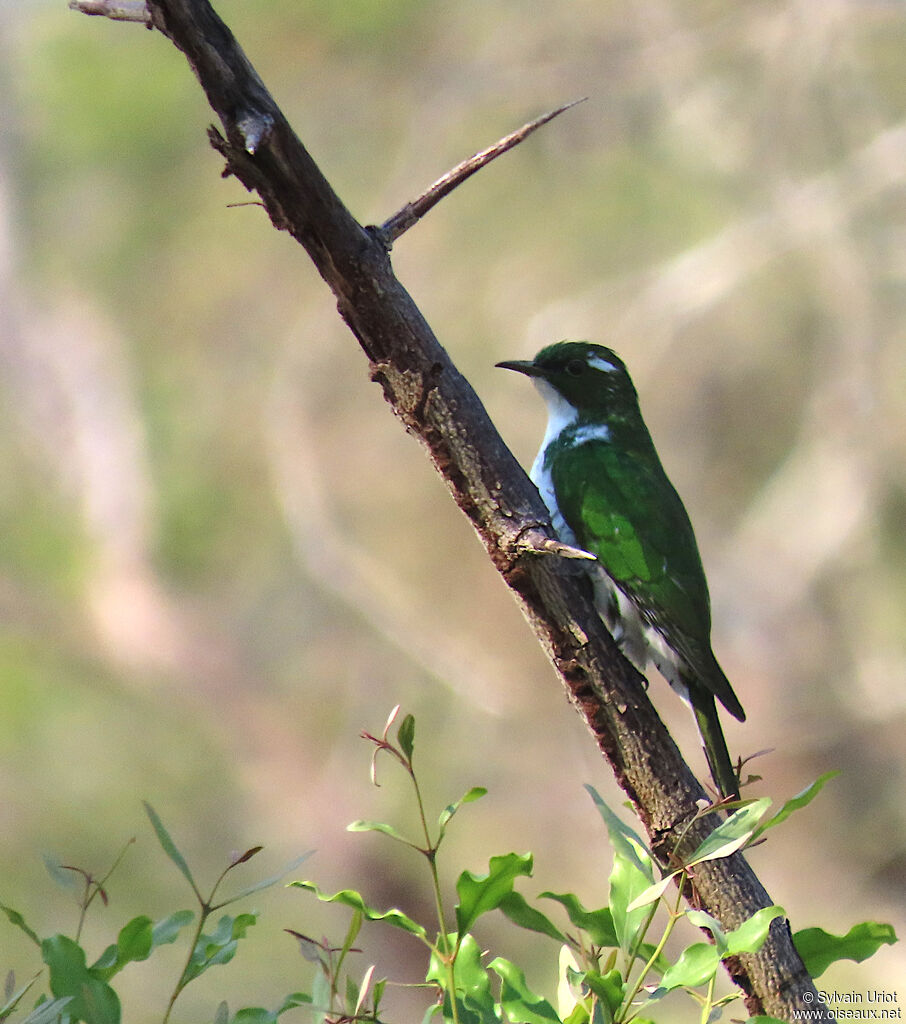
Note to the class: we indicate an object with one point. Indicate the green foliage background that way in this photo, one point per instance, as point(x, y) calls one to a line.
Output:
point(220, 557)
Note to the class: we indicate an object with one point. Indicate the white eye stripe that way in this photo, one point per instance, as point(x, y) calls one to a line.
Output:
point(600, 363)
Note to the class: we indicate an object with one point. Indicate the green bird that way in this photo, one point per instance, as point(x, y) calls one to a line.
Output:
point(603, 483)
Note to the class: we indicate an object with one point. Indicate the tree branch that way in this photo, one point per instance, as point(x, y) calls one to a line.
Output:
point(116, 10)
point(437, 405)
point(412, 212)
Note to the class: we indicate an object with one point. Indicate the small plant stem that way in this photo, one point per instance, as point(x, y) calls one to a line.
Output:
point(98, 886)
point(353, 930)
point(673, 916)
point(708, 1004)
point(181, 984)
point(83, 909)
point(430, 852)
point(640, 938)
point(205, 908)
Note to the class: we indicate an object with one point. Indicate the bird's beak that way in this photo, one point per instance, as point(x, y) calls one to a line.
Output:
point(525, 366)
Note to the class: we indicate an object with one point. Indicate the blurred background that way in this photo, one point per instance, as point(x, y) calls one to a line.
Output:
point(221, 558)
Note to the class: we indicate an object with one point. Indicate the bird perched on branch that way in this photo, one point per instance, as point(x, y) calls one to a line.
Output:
point(603, 483)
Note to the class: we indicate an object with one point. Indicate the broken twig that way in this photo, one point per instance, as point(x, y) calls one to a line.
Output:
point(116, 10)
point(412, 212)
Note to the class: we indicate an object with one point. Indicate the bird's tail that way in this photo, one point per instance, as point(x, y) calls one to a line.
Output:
point(719, 761)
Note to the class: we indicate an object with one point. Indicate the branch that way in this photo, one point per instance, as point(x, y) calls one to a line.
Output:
point(116, 10)
point(437, 405)
point(412, 212)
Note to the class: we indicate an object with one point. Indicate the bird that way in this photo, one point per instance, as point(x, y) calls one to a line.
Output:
point(607, 493)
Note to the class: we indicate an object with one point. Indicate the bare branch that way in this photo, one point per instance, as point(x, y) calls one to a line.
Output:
point(116, 10)
point(413, 211)
point(534, 540)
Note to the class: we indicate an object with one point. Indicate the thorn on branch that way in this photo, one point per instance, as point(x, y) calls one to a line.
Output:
point(535, 542)
point(116, 10)
point(413, 211)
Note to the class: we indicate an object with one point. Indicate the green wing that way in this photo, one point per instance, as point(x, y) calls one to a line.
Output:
point(623, 509)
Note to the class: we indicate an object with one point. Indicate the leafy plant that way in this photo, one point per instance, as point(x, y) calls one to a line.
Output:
point(613, 962)
point(82, 992)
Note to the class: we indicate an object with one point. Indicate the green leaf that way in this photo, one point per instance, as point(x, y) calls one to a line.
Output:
point(93, 1001)
point(134, 942)
point(378, 995)
point(168, 929)
point(405, 736)
point(598, 923)
point(222, 1014)
point(701, 919)
point(350, 898)
point(750, 935)
point(519, 912)
point(18, 920)
point(169, 847)
point(652, 893)
point(795, 803)
point(764, 1020)
point(819, 949)
point(294, 1000)
point(219, 947)
point(106, 960)
point(578, 1015)
point(627, 883)
point(475, 793)
point(632, 874)
point(13, 995)
point(352, 932)
point(697, 964)
point(65, 878)
point(254, 1015)
point(378, 826)
point(320, 993)
point(431, 1012)
point(608, 987)
point(519, 1003)
point(352, 992)
point(623, 839)
point(480, 893)
point(49, 1012)
point(732, 834)
point(475, 1001)
point(265, 883)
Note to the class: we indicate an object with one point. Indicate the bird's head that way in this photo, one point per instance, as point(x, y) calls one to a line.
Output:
point(590, 379)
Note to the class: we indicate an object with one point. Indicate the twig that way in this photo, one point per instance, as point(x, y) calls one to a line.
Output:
point(412, 212)
point(116, 10)
point(535, 541)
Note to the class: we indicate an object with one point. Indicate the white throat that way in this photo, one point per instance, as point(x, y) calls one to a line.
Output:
point(560, 416)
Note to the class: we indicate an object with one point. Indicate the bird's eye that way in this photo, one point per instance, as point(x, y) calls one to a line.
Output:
point(575, 367)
